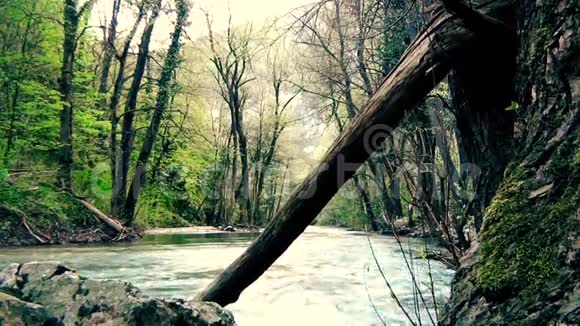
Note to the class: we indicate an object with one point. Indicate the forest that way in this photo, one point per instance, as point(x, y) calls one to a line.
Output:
point(204, 132)
point(445, 120)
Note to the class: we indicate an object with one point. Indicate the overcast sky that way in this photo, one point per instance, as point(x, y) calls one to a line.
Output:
point(242, 11)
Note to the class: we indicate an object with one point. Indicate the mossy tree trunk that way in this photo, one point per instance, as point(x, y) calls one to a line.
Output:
point(527, 266)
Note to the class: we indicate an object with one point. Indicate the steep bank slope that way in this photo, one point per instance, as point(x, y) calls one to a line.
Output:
point(33, 213)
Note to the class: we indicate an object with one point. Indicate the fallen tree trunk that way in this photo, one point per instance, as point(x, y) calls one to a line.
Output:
point(425, 63)
point(114, 224)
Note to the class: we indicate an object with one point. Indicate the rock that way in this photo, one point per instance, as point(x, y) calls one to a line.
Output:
point(230, 228)
point(570, 312)
point(16, 312)
point(75, 300)
point(8, 277)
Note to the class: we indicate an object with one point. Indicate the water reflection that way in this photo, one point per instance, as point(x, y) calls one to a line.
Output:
point(325, 278)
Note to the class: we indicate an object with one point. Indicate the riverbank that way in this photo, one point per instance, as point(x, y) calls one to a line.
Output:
point(205, 230)
point(66, 223)
point(402, 231)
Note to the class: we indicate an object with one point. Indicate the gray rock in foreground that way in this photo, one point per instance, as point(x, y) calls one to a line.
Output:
point(52, 294)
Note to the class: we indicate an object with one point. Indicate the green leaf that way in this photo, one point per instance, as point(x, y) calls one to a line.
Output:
point(514, 106)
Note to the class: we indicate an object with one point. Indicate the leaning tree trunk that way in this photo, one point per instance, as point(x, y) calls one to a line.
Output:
point(425, 63)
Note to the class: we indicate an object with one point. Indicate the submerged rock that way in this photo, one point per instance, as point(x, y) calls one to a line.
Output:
point(57, 295)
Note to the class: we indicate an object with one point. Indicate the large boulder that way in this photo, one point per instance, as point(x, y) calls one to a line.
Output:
point(16, 312)
point(74, 300)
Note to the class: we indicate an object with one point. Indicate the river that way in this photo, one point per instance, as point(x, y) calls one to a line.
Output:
point(327, 277)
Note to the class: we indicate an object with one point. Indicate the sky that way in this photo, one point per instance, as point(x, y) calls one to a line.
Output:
point(243, 11)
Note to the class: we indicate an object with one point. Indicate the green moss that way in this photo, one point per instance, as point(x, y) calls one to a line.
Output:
point(518, 323)
point(522, 238)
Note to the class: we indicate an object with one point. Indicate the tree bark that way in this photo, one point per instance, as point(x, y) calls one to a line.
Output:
point(425, 63)
point(72, 16)
point(526, 266)
point(71, 24)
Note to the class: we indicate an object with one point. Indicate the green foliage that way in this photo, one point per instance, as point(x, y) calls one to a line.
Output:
point(170, 202)
point(513, 106)
point(8, 194)
point(344, 210)
point(54, 212)
point(523, 237)
point(156, 209)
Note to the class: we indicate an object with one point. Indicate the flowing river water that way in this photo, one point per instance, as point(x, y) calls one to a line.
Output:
point(327, 277)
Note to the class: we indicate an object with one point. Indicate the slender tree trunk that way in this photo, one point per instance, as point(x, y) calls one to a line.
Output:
point(264, 171)
point(123, 152)
point(165, 83)
point(425, 183)
point(360, 48)
point(71, 24)
point(267, 161)
point(245, 206)
point(280, 193)
point(12, 127)
point(109, 51)
point(233, 182)
point(389, 210)
point(116, 203)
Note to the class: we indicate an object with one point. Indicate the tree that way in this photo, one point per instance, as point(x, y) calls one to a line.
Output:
point(121, 155)
point(279, 75)
point(518, 261)
point(109, 48)
point(165, 83)
point(231, 74)
point(72, 18)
